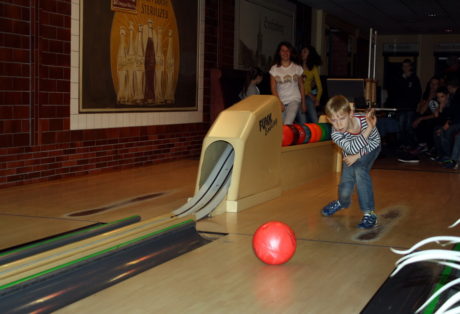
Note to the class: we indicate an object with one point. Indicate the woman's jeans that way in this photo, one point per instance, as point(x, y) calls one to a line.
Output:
point(310, 116)
point(358, 174)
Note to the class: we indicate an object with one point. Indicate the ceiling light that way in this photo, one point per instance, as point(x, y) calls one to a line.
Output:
point(432, 14)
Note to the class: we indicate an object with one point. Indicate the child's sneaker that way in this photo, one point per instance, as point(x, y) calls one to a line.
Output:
point(331, 208)
point(368, 221)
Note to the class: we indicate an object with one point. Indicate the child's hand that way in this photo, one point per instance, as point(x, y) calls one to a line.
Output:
point(371, 118)
point(351, 159)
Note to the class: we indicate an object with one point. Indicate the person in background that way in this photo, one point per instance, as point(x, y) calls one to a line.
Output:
point(404, 93)
point(452, 162)
point(310, 61)
point(286, 82)
point(253, 78)
point(424, 121)
point(441, 115)
point(446, 134)
point(421, 132)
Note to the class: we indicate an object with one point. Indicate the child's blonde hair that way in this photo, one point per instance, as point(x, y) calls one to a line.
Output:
point(338, 104)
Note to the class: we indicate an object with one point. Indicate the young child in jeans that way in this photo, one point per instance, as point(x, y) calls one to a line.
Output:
point(357, 136)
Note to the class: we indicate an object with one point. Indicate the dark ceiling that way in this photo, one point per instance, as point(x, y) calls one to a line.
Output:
point(396, 16)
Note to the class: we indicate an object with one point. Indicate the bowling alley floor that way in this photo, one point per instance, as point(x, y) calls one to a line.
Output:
point(337, 268)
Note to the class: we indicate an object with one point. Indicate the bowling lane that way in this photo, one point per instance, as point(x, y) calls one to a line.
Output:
point(148, 192)
point(332, 271)
point(16, 230)
point(226, 277)
point(411, 207)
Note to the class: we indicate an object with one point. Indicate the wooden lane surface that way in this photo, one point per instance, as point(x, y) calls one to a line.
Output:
point(225, 277)
point(37, 211)
point(331, 272)
point(425, 205)
point(16, 230)
point(62, 197)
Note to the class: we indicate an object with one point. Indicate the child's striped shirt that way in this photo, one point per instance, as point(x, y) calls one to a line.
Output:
point(354, 143)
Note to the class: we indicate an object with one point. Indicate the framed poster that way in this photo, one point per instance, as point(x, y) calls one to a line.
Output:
point(259, 27)
point(138, 55)
point(124, 5)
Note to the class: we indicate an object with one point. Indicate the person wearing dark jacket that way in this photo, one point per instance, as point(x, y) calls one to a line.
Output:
point(404, 93)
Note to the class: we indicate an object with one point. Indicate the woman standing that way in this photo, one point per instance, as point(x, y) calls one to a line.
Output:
point(310, 61)
point(286, 82)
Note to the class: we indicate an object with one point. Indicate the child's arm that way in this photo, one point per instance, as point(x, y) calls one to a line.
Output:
point(371, 123)
point(354, 146)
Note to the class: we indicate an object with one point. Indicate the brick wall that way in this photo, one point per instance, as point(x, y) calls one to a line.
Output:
point(15, 73)
point(36, 143)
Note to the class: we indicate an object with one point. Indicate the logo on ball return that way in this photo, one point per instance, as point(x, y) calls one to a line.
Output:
point(266, 124)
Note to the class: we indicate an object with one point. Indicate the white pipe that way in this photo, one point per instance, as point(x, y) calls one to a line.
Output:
point(375, 52)
point(370, 54)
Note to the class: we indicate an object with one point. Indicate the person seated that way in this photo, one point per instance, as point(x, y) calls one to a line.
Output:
point(423, 125)
point(449, 122)
point(439, 117)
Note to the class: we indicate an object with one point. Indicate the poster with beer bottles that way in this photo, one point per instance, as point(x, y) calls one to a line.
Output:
point(138, 55)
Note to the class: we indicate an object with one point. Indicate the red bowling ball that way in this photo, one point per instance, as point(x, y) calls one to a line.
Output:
point(274, 243)
point(288, 136)
point(295, 134)
point(302, 134)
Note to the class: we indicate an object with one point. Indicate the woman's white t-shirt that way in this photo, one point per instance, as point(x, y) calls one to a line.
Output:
point(287, 82)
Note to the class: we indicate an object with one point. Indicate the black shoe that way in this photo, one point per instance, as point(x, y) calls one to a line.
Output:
point(450, 164)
